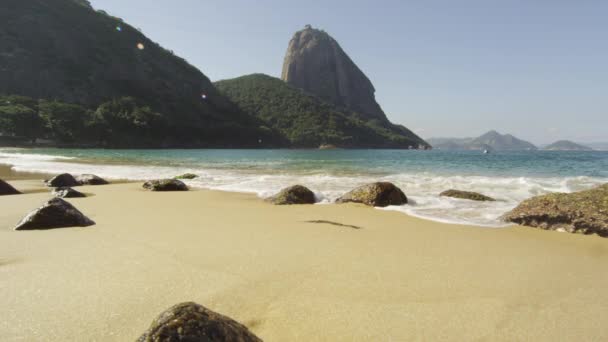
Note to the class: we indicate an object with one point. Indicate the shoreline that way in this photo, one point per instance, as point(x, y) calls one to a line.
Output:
point(290, 273)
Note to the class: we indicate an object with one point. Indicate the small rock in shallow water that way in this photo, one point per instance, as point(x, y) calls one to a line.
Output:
point(296, 194)
point(165, 185)
point(65, 192)
point(584, 212)
point(88, 179)
point(186, 176)
point(7, 189)
point(56, 213)
point(380, 194)
point(194, 322)
point(473, 196)
point(62, 180)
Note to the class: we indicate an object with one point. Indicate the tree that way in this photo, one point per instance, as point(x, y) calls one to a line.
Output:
point(19, 117)
point(65, 122)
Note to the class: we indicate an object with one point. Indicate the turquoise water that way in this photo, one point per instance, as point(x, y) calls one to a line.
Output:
point(508, 176)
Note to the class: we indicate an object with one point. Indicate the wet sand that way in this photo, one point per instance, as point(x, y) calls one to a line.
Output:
point(294, 273)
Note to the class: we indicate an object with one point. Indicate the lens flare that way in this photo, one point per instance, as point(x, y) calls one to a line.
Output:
point(118, 28)
point(204, 96)
point(140, 46)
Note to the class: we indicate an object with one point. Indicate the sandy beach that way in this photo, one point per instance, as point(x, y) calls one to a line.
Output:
point(389, 277)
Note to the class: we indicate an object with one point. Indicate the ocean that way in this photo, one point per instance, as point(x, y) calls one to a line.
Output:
point(510, 177)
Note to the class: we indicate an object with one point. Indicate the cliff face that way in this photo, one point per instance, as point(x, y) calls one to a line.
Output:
point(65, 50)
point(316, 63)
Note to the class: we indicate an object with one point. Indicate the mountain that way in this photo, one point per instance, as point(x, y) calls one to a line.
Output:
point(566, 145)
point(65, 50)
point(316, 63)
point(599, 146)
point(307, 120)
point(491, 140)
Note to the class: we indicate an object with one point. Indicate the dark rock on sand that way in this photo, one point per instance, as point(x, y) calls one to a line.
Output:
point(56, 213)
point(194, 322)
point(7, 189)
point(165, 185)
point(62, 180)
point(584, 212)
point(296, 194)
point(91, 180)
point(65, 192)
point(186, 176)
point(473, 196)
point(379, 194)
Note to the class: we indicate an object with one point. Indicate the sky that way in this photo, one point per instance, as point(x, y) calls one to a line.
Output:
point(533, 68)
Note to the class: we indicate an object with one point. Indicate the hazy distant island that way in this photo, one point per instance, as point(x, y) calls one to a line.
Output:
point(73, 76)
point(491, 141)
point(566, 145)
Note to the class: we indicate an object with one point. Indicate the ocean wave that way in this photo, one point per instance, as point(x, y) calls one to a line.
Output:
point(422, 188)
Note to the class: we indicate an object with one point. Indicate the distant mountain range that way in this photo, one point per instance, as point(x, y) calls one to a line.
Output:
point(566, 145)
point(492, 141)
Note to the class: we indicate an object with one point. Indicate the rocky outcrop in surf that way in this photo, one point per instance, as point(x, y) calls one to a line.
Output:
point(165, 185)
point(469, 195)
point(296, 194)
point(584, 212)
point(380, 194)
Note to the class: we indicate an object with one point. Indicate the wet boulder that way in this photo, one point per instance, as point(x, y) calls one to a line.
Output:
point(56, 213)
point(380, 194)
point(165, 185)
point(88, 179)
point(584, 212)
point(193, 322)
point(7, 189)
point(469, 195)
point(62, 180)
point(186, 176)
point(296, 194)
point(65, 192)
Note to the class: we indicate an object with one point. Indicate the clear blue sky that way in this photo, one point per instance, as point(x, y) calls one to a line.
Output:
point(533, 68)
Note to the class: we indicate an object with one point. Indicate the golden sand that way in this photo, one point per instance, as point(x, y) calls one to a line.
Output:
point(397, 278)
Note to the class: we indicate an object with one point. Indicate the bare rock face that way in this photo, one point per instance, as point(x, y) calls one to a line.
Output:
point(296, 194)
point(7, 189)
point(65, 192)
point(584, 212)
point(316, 63)
point(194, 322)
point(88, 179)
point(165, 185)
point(56, 213)
point(62, 180)
point(381, 194)
point(469, 195)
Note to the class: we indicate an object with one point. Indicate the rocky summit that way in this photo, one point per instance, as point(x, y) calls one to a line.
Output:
point(316, 63)
point(584, 212)
point(193, 322)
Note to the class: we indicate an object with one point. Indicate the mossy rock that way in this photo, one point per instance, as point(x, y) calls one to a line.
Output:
point(380, 194)
point(296, 194)
point(165, 185)
point(193, 322)
point(469, 195)
point(186, 176)
point(584, 212)
point(7, 189)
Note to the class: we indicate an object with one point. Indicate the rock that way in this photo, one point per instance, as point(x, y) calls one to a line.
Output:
point(473, 196)
point(56, 213)
point(67, 193)
point(91, 180)
point(194, 322)
point(296, 194)
point(379, 194)
point(62, 180)
point(7, 189)
point(584, 212)
point(316, 63)
point(186, 176)
point(165, 185)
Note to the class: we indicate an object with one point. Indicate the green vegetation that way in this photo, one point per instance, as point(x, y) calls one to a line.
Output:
point(64, 50)
point(308, 121)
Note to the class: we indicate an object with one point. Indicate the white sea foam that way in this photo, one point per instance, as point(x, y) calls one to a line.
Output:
point(421, 188)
